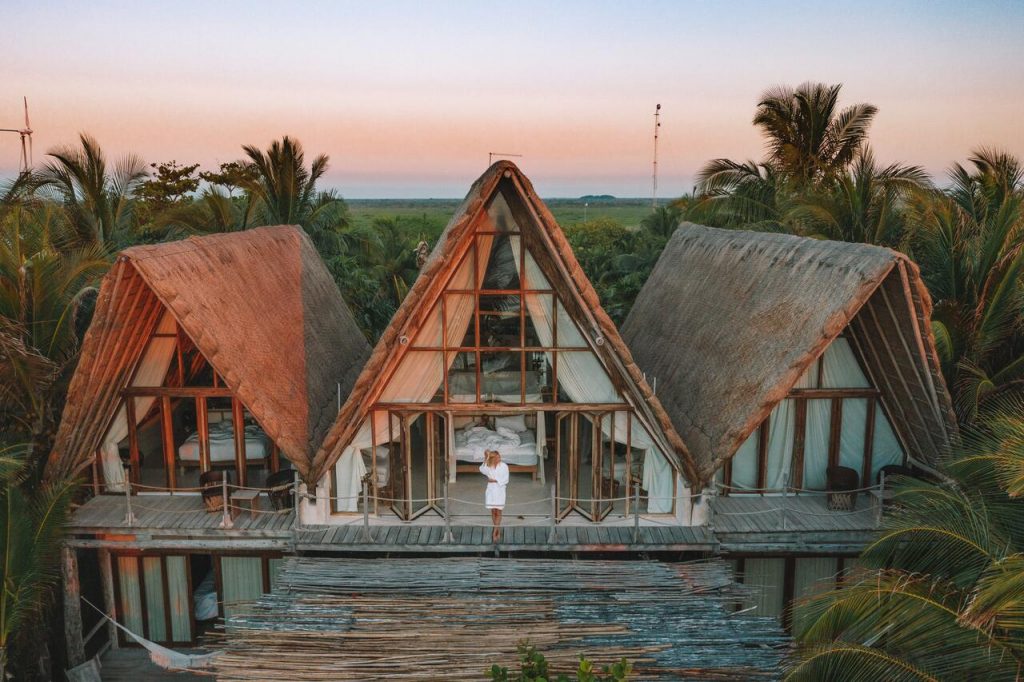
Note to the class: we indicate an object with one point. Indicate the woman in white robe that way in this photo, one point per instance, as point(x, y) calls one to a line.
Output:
point(496, 472)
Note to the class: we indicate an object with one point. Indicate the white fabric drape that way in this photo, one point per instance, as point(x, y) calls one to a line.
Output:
point(851, 435)
point(242, 581)
point(819, 416)
point(766, 576)
point(744, 462)
point(781, 432)
point(130, 592)
point(152, 573)
point(839, 367)
point(350, 468)
point(886, 448)
point(151, 372)
point(177, 591)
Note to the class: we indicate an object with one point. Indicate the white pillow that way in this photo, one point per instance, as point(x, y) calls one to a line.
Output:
point(515, 422)
point(509, 435)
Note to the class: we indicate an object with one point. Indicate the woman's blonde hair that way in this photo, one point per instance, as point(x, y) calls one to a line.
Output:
point(492, 457)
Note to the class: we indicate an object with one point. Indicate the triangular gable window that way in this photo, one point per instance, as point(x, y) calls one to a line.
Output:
point(499, 334)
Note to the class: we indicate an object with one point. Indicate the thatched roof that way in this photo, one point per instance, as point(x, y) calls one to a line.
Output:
point(259, 305)
point(729, 320)
point(554, 256)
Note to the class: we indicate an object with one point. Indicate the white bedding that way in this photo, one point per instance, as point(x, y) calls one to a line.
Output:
point(222, 444)
point(518, 448)
point(205, 599)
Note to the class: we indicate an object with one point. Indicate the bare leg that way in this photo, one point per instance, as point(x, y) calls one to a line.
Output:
point(496, 519)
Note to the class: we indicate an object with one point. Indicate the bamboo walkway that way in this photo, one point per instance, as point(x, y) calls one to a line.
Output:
point(408, 619)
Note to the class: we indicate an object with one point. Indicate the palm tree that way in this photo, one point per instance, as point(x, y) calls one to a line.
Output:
point(942, 598)
point(97, 199)
point(663, 221)
point(969, 242)
point(42, 288)
point(286, 193)
point(808, 138)
point(865, 204)
point(31, 528)
point(810, 144)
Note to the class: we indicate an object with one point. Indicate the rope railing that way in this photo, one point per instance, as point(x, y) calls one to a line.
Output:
point(802, 491)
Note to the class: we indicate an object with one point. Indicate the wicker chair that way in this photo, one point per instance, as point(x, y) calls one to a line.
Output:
point(211, 484)
point(842, 486)
point(893, 470)
point(279, 489)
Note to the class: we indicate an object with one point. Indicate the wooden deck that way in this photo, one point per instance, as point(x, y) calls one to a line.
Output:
point(567, 538)
point(132, 664)
point(793, 523)
point(166, 522)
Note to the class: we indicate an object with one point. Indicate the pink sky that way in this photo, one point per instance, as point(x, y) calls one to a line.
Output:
point(409, 99)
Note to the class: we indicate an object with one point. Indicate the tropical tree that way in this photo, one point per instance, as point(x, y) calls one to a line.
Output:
point(865, 204)
point(97, 198)
point(31, 528)
point(42, 288)
point(286, 193)
point(969, 242)
point(662, 221)
point(810, 145)
point(943, 593)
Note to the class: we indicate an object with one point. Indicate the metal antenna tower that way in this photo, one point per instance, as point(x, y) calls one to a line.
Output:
point(654, 173)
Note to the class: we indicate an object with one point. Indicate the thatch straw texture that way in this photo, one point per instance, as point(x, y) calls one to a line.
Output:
point(554, 256)
point(259, 305)
point(729, 320)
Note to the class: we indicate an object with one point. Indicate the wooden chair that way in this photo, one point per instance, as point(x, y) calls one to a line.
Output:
point(842, 486)
point(279, 489)
point(211, 484)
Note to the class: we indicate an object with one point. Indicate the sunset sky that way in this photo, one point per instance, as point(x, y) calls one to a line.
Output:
point(408, 98)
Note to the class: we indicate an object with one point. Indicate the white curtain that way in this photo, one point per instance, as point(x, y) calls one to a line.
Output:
point(350, 468)
point(130, 610)
point(242, 581)
point(177, 587)
point(839, 367)
point(886, 448)
point(744, 462)
point(819, 419)
point(766, 576)
point(151, 372)
point(781, 430)
point(152, 572)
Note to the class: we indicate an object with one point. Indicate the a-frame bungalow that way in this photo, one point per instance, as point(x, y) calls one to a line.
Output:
point(792, 367)
point(502, 343)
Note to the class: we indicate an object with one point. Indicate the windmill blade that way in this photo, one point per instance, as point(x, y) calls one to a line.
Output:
point(28, 126)
point(24, 155)
point(31, 156)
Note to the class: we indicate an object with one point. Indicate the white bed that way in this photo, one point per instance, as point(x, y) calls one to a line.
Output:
point(222, 445)
point(205, 599)
point(517, 443)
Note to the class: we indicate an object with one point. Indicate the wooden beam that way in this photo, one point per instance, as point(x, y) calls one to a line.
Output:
point(834, 393)
point(109, 601)
point(72, 607)
point(869, 443)
point(796, 474)
point(179, 391)
point(239, 432)
point(167, 433)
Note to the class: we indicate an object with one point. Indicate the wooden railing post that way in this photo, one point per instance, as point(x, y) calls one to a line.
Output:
point(129, 517)
point(554, 516)
point(225, 518)
point(448, 536)
point(367, 536)
point(636, 514)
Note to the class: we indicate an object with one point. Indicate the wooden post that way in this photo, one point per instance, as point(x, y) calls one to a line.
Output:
point(72, 607)
point(636, 514)
point(129, 517)
point(554, 515)
point(448, 537)
point(710, 497)
point(109, 603)
point(367, 536)
point(225, 519)
point(785, 492)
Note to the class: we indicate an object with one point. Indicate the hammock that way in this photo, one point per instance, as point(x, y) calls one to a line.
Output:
point(168, 659)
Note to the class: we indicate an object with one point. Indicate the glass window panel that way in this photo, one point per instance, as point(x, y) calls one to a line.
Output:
point(429, 335)
point(886, 447)
point(462, 386)
point(463, 277)
point(582, 377)
point(150, 438)
point(567, 333)
point(534, 278)
point(819, 415)
point(538, 377)
point(499, 321)
point(460, 326)
point(538, 332)
point(152, 571)
point(502, 271)
point(178, 597)
point(185, 432)
point(851, 435)
point(500, 216)
point(501, 376)
point(220, 419)
point(242, 580)
point(258, 449)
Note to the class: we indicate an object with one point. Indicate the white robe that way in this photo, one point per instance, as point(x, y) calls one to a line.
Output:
point(494, 497)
